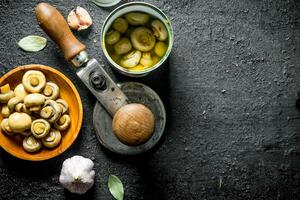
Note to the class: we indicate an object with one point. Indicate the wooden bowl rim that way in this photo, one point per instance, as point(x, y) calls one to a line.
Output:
point(35, 157)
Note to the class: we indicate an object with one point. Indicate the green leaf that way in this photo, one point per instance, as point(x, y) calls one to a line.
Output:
point(115, 187)
point(32, 43)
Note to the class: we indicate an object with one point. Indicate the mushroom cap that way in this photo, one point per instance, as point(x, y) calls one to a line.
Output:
point(34, 81)
point(63, 123)
point(20, 91)
point(5, 97)
point(51, 111)
point(137, 18)
point(122, 46)
point(19, 122)
point(40, 128)
point(13, 102)
point(159, 30)
point(142, 39)
point(31, 144)
point(120, 25)
point(51, 91)
point(63, 104)
point(5, 127)
point(34, 100)
point(133, 124)
point(52, 139)
point(131, 59)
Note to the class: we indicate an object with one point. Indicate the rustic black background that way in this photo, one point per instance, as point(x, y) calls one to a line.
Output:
point(230, 90)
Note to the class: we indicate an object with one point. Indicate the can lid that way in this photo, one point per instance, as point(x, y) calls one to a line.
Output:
point(106, 3)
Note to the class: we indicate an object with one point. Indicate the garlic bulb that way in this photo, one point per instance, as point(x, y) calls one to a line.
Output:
point(77, 174)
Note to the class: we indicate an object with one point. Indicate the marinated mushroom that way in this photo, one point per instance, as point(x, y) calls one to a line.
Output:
point(146, 59)
point(34, 101)
point(131, 59)
point(20, 91)
point(40, 128)
point(13, 102)
point(19, 122)
point(5, 127)
point(155, 59)
point(5, 112)
point(137, 18)
point(63, 123)
point(120, 25)
point(139, 67)
point(63, 104)
point(123, 46)
point(31, 144)
point(159, 30)
point(52, 139)
point(112, 37)
point(51, 111)
point(34, 81)
point(142, 39)
point(6, 94)
point(160, 49)
point(51, 91)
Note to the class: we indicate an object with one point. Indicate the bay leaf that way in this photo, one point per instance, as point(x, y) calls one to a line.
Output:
point(115, 187)
point(32, 43)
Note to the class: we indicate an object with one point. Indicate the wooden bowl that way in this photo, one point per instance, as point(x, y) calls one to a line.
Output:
point(68, 92)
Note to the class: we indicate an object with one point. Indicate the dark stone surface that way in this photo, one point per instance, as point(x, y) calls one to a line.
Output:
point(230, 91)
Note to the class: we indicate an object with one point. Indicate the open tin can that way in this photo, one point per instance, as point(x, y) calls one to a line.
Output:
point(136, 7)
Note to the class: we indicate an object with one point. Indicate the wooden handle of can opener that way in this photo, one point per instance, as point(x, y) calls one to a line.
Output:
point(56, 27)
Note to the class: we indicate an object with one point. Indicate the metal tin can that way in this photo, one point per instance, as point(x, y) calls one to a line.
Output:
point(136, 7)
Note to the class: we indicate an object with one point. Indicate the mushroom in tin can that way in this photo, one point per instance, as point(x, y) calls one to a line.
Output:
point(159, 30)
point(112, 37)
point(131, 60)
point(146, 59)
point(123, 46)
point(137, 18)
point(120, 25)
point(142, 39)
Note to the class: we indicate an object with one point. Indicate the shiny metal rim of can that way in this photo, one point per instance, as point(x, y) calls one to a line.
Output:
point(164, 19)
point(112, 3)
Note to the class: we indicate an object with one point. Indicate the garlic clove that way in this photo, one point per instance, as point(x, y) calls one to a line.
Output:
point(79, 19)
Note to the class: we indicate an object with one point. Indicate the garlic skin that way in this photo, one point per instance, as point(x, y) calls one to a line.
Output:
point(79, 19)
point(77, 174)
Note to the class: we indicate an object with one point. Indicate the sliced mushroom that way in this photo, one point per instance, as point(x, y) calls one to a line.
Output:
point(5, 127)
point(159, 30)
point(63, 104)
point(160, 49)
point(33, 100)
point(112, 37)
point(13, 102)
point(31, 144)
point(5, 112)
point(51, 111)
point(51, 91)
point(52, 139)
point(137, 18)
point(63, 123)
point(20, 91)
point(40, 128)
point(6, 94)
point(19, 122)
point(142, 39)
point(120, 25)
point(34, 81)
point(123, 46)
point(146, 59)
point(131, 59)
